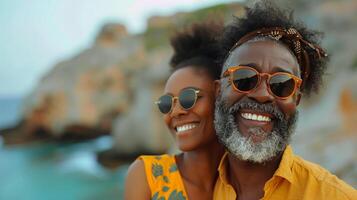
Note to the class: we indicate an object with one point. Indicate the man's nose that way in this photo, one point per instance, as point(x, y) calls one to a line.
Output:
point(261, 93)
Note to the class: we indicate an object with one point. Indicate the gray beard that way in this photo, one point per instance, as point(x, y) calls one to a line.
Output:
point(245, 148)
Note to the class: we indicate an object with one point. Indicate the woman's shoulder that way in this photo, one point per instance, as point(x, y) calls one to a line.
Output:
point(148, 173)
point(136, 186)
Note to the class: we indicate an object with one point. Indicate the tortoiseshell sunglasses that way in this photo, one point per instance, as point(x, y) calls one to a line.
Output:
point(245, 79)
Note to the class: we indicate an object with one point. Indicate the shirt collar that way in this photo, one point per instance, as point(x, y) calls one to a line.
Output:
point(283, 171)
point(222, 168)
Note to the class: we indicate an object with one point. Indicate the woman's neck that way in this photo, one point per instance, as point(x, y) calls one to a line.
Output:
point(199, 167)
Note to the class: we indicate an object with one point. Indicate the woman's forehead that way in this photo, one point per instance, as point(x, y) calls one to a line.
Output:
point(188, 77)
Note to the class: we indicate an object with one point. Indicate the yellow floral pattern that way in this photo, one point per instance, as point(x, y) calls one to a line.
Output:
point(163, 177)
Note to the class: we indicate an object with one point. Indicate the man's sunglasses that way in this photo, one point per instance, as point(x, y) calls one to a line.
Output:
point(245, 79)
point(187, 99)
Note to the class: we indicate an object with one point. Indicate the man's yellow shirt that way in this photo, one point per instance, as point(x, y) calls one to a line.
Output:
point(295, 178)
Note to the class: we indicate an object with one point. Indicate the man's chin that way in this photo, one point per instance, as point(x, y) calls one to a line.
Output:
point(257, 135)
point(255, 151)
point(257, 144)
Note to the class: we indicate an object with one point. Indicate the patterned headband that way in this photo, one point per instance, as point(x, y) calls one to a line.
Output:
point(292, 38)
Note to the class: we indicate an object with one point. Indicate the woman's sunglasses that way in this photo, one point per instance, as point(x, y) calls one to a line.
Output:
point(187, 99)
point(245, 79)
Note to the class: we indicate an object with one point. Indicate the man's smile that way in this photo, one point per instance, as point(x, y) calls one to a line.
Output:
point(255, 117)
point(253, 123)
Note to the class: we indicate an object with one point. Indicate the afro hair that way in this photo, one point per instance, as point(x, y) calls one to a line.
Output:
point(197, 46)
point(265, 14)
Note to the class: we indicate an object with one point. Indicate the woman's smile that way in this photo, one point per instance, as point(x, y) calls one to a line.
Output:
point(185, 127)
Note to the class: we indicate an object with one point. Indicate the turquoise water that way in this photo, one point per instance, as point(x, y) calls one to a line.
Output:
point(54, 171)
point(58, 172)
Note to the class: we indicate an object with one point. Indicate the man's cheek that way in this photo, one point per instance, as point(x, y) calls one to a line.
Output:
point(288, 108)
point(230, 97)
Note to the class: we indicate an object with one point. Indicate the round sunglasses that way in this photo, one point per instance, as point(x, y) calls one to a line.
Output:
point(245, 79)
point(187, 99)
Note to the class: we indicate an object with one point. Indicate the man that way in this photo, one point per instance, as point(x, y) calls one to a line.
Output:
point(270, 62)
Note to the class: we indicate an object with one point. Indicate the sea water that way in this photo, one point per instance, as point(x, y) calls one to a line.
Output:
point(55, 171)
point(58, 171)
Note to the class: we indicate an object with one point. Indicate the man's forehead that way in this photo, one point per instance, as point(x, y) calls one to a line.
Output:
point(231, 60)
point(256, 53)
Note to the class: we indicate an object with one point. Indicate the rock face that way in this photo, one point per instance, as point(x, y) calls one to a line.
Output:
point(142, 129)
point(89, 89)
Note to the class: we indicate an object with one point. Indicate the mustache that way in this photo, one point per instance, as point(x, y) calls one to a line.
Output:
point(250, 104)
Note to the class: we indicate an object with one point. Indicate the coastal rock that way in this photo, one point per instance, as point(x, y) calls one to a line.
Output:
point(89, 89)
point(142, 129)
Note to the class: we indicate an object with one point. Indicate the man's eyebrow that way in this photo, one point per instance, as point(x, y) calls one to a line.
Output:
point(282, 69)
point(275, 68)
point(252, 65)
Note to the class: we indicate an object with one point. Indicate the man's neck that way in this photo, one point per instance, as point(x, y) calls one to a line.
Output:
point(248, 178)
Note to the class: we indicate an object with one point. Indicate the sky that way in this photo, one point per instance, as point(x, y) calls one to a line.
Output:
point(37, 34)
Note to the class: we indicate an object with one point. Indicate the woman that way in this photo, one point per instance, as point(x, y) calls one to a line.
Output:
point(188, 109)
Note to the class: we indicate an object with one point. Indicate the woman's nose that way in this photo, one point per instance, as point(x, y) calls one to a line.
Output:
point(177, 109)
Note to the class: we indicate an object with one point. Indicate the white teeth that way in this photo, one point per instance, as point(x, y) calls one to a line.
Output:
point(256, 117)
point(185, 127)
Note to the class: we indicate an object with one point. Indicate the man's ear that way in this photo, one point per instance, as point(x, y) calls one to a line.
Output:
point(298, 98)
point(217, 87)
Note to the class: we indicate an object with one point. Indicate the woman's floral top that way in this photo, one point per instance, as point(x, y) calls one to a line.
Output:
point(164, 178)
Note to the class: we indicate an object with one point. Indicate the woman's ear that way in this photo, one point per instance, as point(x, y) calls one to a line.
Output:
point(217, 87)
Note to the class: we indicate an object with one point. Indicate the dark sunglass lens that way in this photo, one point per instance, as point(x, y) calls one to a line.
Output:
point(187, 98)
point(245, 79)
point(282, 85)
point(165, 103)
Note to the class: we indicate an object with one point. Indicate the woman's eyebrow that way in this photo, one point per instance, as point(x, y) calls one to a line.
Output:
point(190, 87)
